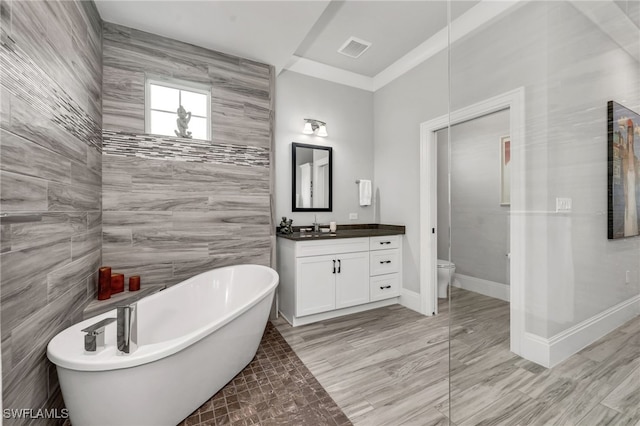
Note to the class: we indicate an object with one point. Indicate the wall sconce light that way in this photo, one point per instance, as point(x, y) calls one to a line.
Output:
point(311, 126)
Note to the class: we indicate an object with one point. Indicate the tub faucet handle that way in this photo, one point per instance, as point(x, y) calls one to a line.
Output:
point(127, 330)
point(94, 338)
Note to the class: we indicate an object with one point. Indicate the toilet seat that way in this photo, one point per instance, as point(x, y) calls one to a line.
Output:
point(445, 264)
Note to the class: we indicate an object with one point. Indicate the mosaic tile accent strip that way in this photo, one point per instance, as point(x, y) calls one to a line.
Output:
point(30, 83)
point(274, 389)
point(158, 147)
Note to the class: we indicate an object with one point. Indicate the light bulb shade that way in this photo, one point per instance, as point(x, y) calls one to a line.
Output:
point(308, 130)
point(322, 131)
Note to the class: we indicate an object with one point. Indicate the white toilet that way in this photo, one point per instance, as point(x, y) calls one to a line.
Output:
point(446, 270)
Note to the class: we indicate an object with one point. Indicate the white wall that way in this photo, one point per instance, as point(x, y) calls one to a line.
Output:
point(348, 113)
point(569, 69)
point(399, 108)
point(585, 270)
point(479, 224)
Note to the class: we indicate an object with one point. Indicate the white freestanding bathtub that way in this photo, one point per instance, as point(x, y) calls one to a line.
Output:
point(193, 338)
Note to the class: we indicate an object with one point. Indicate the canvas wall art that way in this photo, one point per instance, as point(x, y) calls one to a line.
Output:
point(623, 171)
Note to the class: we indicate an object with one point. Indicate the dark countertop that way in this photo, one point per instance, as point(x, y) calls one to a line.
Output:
point(345, 231)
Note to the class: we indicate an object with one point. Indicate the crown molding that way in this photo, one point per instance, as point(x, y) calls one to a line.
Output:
point(475, 18)
point(329, 73)
point(435, 44)
point(613, 22)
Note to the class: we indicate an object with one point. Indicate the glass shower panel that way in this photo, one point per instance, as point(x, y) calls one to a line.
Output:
point(544, 323)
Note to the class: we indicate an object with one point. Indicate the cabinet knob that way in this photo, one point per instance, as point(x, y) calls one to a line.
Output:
point(339, 265)
point(385, 261)
point(385, 242)
point(385, 287)
point(334, 266)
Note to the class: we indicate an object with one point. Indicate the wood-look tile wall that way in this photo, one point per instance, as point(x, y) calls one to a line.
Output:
point(176, 207)
point(50, 171)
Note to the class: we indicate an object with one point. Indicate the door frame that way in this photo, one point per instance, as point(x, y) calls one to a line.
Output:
point(514, 101)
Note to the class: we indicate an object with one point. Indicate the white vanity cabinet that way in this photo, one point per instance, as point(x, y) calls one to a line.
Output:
point(331, 282)
point(316, 291)
point(325, 278)
point(385, 267)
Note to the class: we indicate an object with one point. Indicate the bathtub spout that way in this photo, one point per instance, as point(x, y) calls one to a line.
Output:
point(127, 336)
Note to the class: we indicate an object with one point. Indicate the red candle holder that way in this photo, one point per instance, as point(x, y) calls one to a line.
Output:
point(134, 283)
point(117, 283)
point(104, 283)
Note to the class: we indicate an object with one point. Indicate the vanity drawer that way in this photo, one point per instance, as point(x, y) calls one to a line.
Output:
point(384, 262)
point(384, 243)
point(319, 247)
point(384, 287)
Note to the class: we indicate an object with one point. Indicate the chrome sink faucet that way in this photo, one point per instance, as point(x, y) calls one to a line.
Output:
point(316, 225)
point(127, 330)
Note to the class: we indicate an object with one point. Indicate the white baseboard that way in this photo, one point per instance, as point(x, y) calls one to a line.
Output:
point(410, 299)
point(486, 287)
point(308, 319)
point(576, 338)
point(535, 349)
point(552, 351)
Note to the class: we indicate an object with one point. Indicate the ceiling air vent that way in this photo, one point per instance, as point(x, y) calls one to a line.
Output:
point(354, 47)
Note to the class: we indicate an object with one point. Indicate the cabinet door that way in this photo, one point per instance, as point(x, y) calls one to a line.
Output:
point(352, 280)
point(315, 285)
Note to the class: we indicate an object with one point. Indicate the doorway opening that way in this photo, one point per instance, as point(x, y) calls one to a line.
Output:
point(514, 102)
point(473, 206)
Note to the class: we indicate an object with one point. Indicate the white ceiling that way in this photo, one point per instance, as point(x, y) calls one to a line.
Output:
point(274, 31)
point(304, 35)
point(265, 31)
point(393, 27)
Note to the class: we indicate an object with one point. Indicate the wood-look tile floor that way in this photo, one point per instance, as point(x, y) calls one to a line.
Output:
point(387, 366)
point(390, 366)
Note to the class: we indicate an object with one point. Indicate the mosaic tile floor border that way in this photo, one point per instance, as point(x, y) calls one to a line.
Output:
point(274, 389)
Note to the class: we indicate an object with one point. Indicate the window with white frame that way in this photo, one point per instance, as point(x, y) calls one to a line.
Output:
point(164, 98)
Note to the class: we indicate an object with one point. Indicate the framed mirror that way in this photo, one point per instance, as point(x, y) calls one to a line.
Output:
point(311, 178)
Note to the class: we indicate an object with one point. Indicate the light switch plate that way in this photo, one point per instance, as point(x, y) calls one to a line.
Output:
point(563, 205)
point(353, 216)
